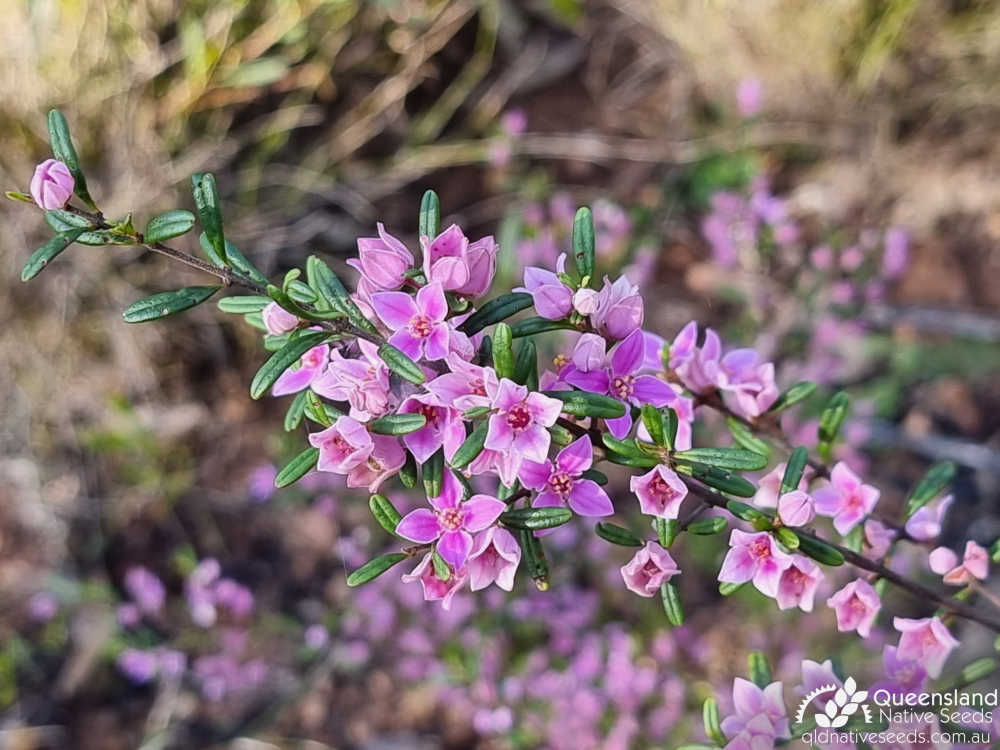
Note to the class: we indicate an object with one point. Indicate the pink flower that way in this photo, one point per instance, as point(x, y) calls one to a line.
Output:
point(619, 309)
point(941, 560)
point(434, 588)
point(925, 524)
point(310, 367)
point(383, 260)
point(755, 733)
point(975, 564)
point(52, 185)
point(925, 641)
point(519, 421)
point(343, 446)
point(878, 537)
point(418, 325)
point(846, 499)
point(749, 97)
point(552, 298)
point(387, 458)
point(467, 386)
point(769, 485)
point(754, 557)
point(146, 589)
point(561, 483)
point(796, 508)
point(444, 427)
point(751, 702)
point(514, 121)
point(278, 320)
point(697, 367)
point(798, 583)
point(362, 382)
point(747, 384)
point(895, 253)
point(494, 559)
point(856, 605)
point(460, 267)
point(620, 379)
point(660, 492)
point(451, 522)
point(649, 568)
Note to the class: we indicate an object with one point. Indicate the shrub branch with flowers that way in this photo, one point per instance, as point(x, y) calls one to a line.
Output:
point(413, 377)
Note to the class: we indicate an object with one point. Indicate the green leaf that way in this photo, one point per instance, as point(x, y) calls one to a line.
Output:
point(830, 422)
point(670, 425)
point(430, 215)
point(710, 718)
point(793, 469)
point(619, 535)
point(469, 450)
point(433, 473)
point(583, 242)
point(721, 480)
point(595, 476)
point(496, 310)
point(476, 412)
point(794, 395)
point(400, 364)
point(745, 512)
point(533, 326)
point(441, 569)
point(167, 225)
point(316, 410)
point(537, 518)
point(626, 447)
point(333, 295)
point(206, 202)
point(560, 435)
point(297, 468)
point(708, 526)
point(584, 404)
point(374, 568)
point(63, 150)
point(17, 195)
point(667, 530)
point(244, 267)
point(759, 669)
point(398, 424)
point(64, 221)
point(47, 253)
point(728, 589)
point(301, 293)
point(385, 512)
point(819, 551)
point(408, 473)
point(745, 438)
point(282, 359)
point(503, 354)
point(723, 458)
point(789, 538)
point(296, 410)
point(534, 558)
point(167, 303)
point(934, 482)
point(672, 604)
point(653, 419)
point(526, 365)
point(243, 304)
point(635, 461)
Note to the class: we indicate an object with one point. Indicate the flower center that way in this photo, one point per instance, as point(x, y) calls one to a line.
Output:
point(430, 414)
point(560, 361)
point(858, 606)
point(662, 491)
point(795, 579)
point(854, 501)
point(650, 569)
point(450, 519)
point(561, 483)
point(420, 326)
point(760, 549)
point(623, 387)
point(478, 386)
point(518, 418)
point(312, 358)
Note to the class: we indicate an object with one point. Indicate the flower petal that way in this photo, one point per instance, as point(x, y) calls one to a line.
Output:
point(396, 309)
point(420, 525)
point(481, 511)
point(454, 548)
point(588, 498)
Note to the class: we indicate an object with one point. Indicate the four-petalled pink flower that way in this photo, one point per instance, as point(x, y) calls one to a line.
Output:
point(561, 482)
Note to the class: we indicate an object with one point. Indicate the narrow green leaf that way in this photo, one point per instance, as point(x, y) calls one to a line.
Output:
point(653, 420)
point(728, 589)
point(537, 518)
point(793, 469)
point(64, 151)
point(239, 263)
point(297, 468)
point(710, 718)
point(282, 359)
point(167, 303)
point(830, 422)
point(243, 304)
point(667, 530)
point(721, 480)
point(206, 202)
point(17, 195)
point(301, 293)
point(433, 473)
point(408, 474)
point(398, 424)
point(723, 458)
point(503, 354)
point(619, 535)
point(374, 568)
point(788, 538)
point(533, 326)
point(672, 604)
point(296, 410)
point(819, 551)
point(476, 412)
point(441, 569)
point(794, 395)
point(595, 476)
point(496, 310)
point(745, 512)
point(583, 242)
point(670, 425)
point(584, 404)
point(385, 512)
point(400, 364)
point(745, 438)
point(708, 526)
point(534, 558)
point(430, 215)
point(315, 409)
point(64, 221)
point(469, 450)
point(635, 461)
point(167, 225)
point(759, 669)
point(526, 365)
point(934, 483)
point(47, 253)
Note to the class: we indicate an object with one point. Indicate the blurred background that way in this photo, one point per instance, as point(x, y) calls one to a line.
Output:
point(814, 179)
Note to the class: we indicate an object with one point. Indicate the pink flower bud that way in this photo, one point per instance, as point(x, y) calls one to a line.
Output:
point(52, 185)
point(278, 320)
point(796, 508)
point(383, 260)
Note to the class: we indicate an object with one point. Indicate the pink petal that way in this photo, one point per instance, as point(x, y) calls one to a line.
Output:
point(396, 309)
point(576, 457)
point(481, 511)
point(534, 475)
point(410, 345)
point(293, 381)
point(620, 427)
point(454, 547)
point(588, 498)
point(595, 381)
point(738, 566)
point(419, 526)
point(436, 345)
point(451, 492)
point(628, 355)
point(651, 390)
point(450, 273)
point(432, 303)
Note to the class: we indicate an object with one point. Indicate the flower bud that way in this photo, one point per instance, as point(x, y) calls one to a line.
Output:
point(278, 320)
point(52, 185)
point(383, 260)
point(796, 508)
